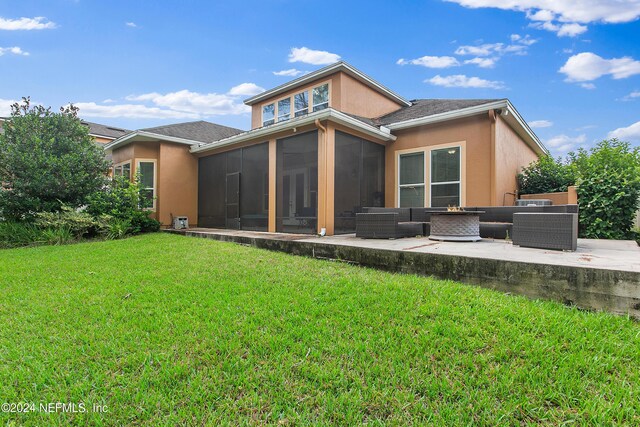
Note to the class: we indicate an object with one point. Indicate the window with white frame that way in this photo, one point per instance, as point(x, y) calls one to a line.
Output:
point(411, 180)
point(284, 109)
point(445, 177)
point(321, 97)
point(301, 103)
point(268, 114)
point(123, 169)
point(147, 171)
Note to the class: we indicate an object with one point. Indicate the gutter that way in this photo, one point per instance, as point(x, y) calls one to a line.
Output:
point(472, 111)
point(123, 139)
point(327, 114)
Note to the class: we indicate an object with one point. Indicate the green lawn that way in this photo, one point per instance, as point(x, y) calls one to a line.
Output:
point(168, 330)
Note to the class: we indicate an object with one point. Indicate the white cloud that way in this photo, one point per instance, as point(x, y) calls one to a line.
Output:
point(431, 61)
point(540, 124)
point(131, 24)
point(564, 17)
point(460, 80)
point(482, 62)
point(291, 72)
point(630, 133)
point(13, 50)
point(526, 40)
point(37, 23)
point(488, 49)
point(564, 143)
point(132, 111)
point(313, 57)
point(582, 11)
point(246, 89)
point(633, 95)
point(588, 66)
point(5, 107)
point(183, 104)
point(589, 86)
point(562, 30)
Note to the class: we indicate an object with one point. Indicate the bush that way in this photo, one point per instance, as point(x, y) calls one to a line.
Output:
point(78, 224)
point(47, 160)
point(122, 200)
point(15, 234)
point(546, 175)
point(608, 189)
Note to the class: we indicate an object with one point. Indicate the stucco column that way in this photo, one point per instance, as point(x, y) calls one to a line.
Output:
point(326, 177)
point(272, 186)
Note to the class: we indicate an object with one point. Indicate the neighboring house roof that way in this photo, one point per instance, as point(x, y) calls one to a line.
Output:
point(330, 69)
point(96, 129)
point(189, 133)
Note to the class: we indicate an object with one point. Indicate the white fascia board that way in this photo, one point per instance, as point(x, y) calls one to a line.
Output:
point(523, 124)
point(123, 140)
point(338, 66)
point(327, 114)
point(449, 115)
point(472, 111)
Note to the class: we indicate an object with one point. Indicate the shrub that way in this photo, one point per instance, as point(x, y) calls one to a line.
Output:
point(77, 223)
point(57, 236)
point(15, 234)
point(47, 160)
point(118, 228)
point(546, 175)
point(608, 189)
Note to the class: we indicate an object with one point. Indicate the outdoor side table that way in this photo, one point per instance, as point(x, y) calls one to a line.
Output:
point(462, 226)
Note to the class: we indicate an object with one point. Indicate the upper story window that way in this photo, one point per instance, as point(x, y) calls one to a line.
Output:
point(301, 103)
point(321, 97)
point(281, 110)
point(284, 109)
point(268, 114)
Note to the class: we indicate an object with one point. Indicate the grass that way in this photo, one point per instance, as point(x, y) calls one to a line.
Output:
point(168, 330)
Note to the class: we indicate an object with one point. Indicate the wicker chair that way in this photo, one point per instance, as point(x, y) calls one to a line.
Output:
point(546, 230)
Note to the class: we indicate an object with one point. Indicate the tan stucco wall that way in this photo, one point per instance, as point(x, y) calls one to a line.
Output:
point(473, 134)
point(561, 198)
point(176, 177)
point(512, 154)
point(359, 99)
point(177, 183)
point(345, 94)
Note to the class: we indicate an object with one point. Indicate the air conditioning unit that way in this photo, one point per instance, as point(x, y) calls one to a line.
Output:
point(180, 222)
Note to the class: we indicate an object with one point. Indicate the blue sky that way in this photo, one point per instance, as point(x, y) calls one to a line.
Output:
point(571, 67)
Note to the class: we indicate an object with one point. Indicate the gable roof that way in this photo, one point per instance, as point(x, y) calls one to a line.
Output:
point(330, 69)
point(429, 107)
point(200, 131)
point(189, 133)
point(96, 129)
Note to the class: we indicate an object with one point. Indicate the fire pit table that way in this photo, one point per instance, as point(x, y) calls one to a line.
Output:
point(456, 226)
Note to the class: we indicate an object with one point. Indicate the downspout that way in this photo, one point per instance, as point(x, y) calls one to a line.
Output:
point(324, 191)
point(492, 163)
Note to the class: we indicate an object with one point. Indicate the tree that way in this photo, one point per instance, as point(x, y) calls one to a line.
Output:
point(608, 179)
point(47, 160)
point(546, 175)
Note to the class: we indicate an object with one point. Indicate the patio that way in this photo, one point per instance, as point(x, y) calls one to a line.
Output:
point(601, 274)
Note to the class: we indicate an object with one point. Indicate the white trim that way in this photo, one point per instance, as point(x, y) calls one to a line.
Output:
point(155, 180)
point(327, 113)
point(338, 66)
point(123, 140)
point(472, 111)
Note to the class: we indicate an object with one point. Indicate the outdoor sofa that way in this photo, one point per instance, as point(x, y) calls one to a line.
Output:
point(496, 222)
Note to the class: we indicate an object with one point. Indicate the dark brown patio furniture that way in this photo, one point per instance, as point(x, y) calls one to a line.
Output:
point(385, 225)
point(546, 230)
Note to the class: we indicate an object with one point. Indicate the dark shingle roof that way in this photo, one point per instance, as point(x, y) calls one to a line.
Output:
point(429, 107)
point(104, 130)
point(200, 131)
